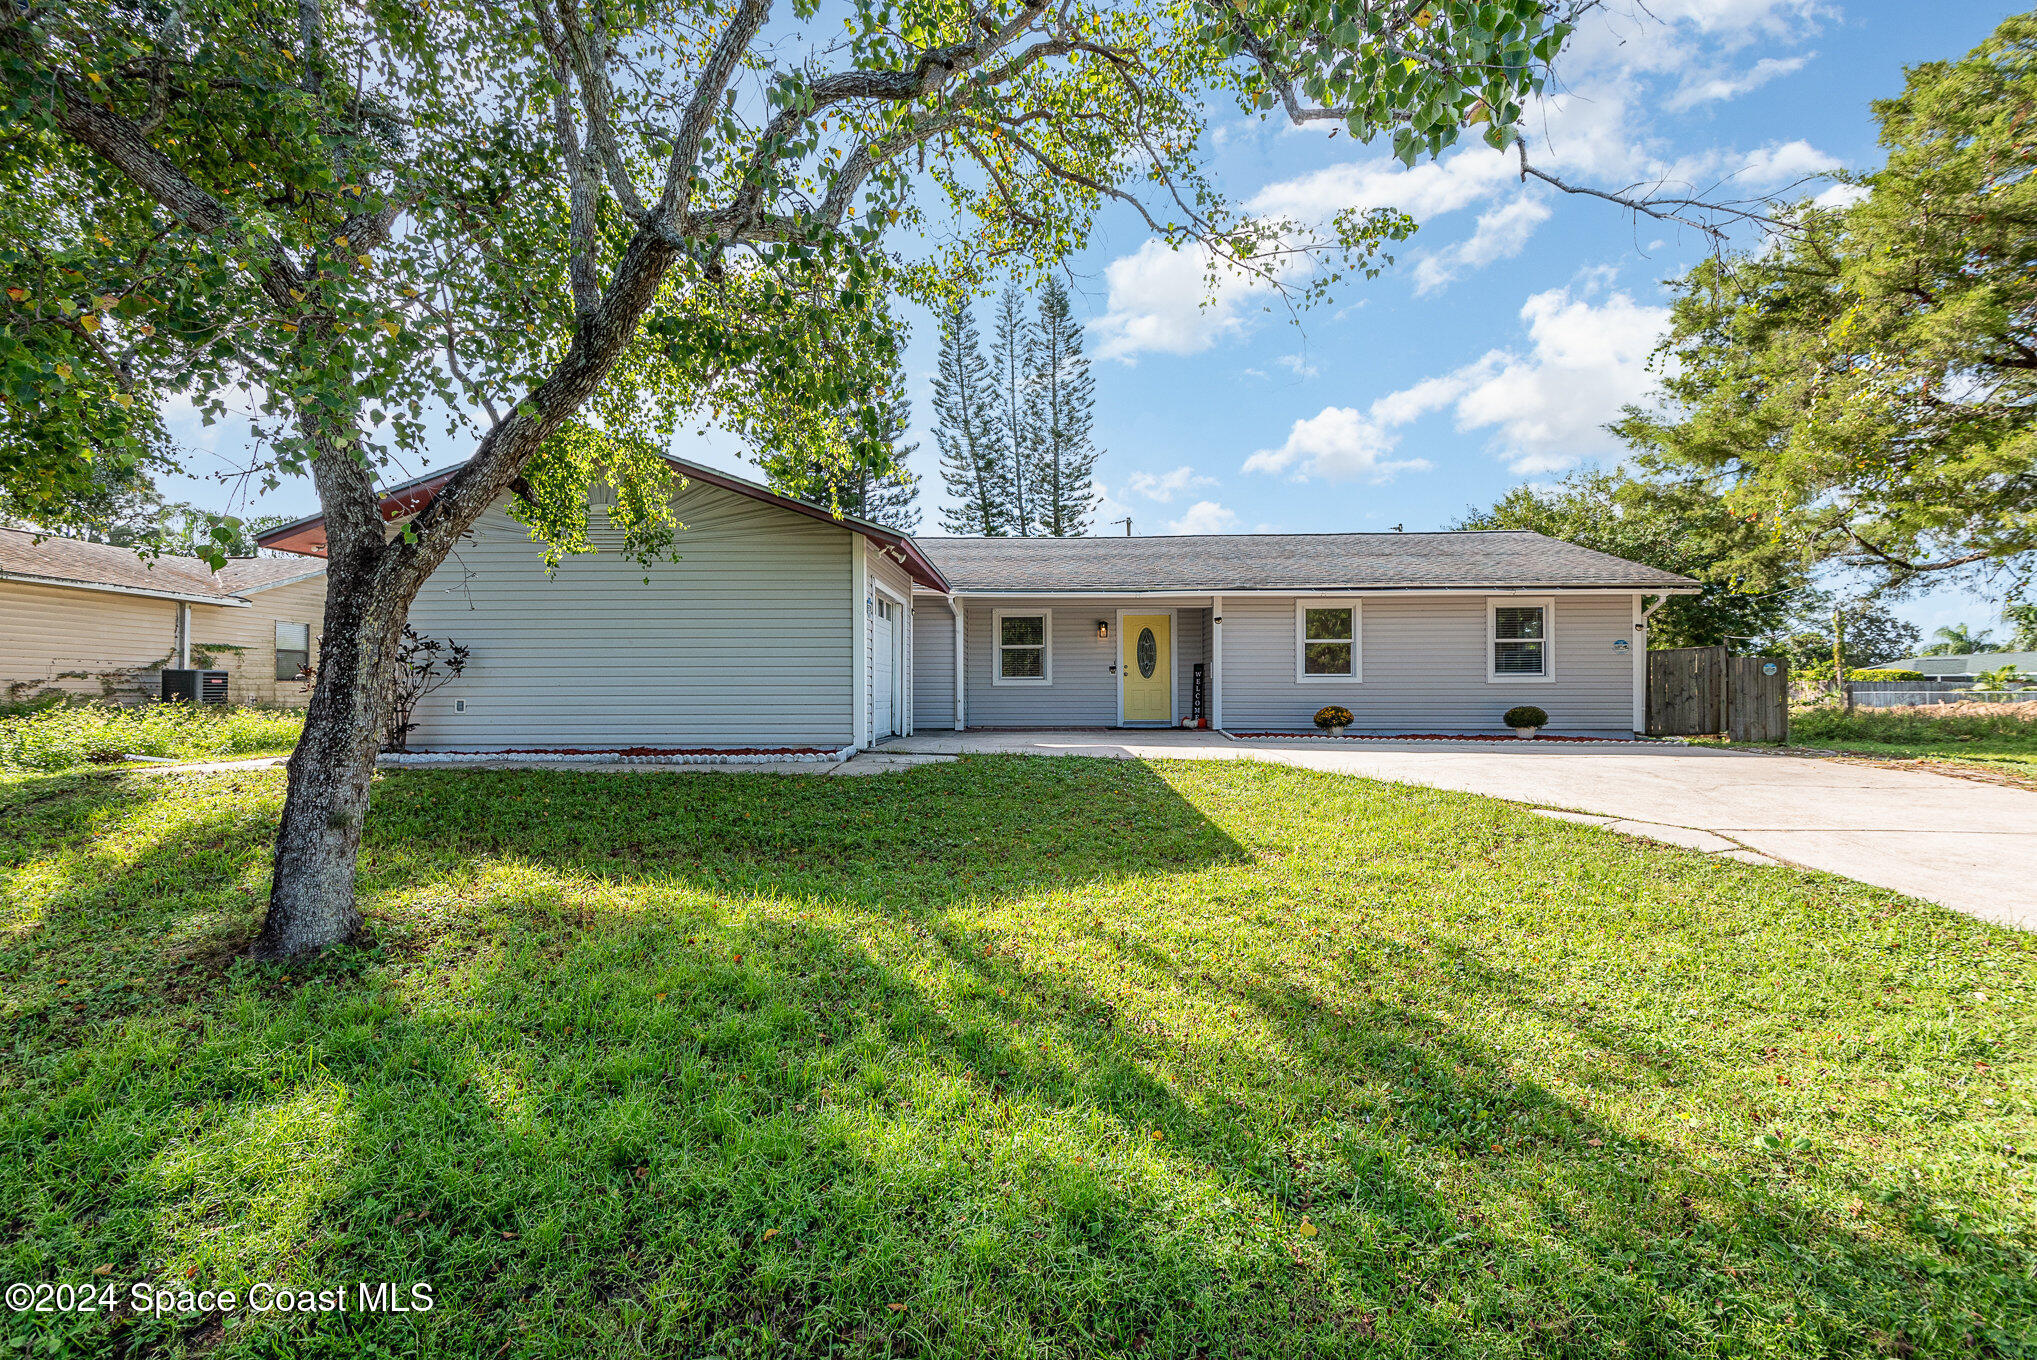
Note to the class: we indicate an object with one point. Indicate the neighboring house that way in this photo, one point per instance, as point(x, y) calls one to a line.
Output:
point(783, 626)
point(1964, 667)
point(100, 622)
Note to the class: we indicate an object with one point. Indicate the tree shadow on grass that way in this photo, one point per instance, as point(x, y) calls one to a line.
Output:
point(735, 1065)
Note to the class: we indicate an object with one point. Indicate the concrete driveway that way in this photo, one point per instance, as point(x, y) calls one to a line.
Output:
point(1968, 845)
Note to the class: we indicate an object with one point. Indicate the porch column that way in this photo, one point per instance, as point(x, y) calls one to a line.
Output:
point(1216, 663)
point(961, 709)
point(859, 642)
point(183, 637)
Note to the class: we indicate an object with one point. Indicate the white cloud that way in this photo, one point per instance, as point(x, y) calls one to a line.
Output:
point(1164, 300)
point(1623, 68)
point(1412, 403)
point(1841, 196)
point(1706, 89)
point(1298, 364)
point(1424, 191)
point(1547, 407)
point(1165, 486)
point(1781, 163)
point(1501, 234)
point(1338, 443)
point(1205, 517)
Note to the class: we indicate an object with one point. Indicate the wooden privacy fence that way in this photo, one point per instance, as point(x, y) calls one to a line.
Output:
point(1696, 691)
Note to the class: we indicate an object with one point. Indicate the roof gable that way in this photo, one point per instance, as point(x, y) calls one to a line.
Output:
point(307, 536)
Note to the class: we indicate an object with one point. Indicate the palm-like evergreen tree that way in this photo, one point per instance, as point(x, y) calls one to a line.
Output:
point(1010, 344)
point(874, 484)
point(1060, 414)
point(966, 431)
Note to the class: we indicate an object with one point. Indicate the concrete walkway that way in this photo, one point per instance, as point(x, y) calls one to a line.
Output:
point(1969, 845)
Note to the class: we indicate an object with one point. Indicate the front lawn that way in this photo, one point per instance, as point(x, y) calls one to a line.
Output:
point(1008, 1057)
point(50, 738)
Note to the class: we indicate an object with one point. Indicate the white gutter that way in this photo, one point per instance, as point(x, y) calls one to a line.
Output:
point(182, 597)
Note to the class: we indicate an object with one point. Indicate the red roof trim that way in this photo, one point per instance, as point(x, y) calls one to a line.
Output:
point(307, 536)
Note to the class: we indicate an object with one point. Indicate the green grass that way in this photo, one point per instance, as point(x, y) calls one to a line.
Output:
point(2005, 755)
point(1005, 1058)
point(1998, 738)
point(1948, 725)
point(67, 737)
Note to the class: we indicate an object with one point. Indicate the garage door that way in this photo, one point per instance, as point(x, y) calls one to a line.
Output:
point(881, 677)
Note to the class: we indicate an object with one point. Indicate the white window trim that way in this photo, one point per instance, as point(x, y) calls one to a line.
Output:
point(997, 676)
point(1495, 603)
point(280, 649)
point(1301, 607)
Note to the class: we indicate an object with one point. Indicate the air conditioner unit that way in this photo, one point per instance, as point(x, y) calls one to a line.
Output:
point(194, 687)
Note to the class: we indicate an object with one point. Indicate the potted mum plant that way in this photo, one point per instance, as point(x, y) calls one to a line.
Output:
point(1526, 720)
point(1333, 718)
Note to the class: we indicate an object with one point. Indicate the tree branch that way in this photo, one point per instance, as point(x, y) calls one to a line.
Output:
point(714, 81)
point(580, 193)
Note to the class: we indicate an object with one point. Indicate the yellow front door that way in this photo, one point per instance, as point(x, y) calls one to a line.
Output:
point(1148, 645)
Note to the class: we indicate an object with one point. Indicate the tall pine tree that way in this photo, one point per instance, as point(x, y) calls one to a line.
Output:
point(966, 430)
point(1010, 342)
point(874, 485)
point(1060, 414)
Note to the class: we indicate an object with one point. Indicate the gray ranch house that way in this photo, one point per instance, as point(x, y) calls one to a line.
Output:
point(782, 626)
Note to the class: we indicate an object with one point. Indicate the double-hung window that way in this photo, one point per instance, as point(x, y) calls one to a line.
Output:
point(1326, 642)
point(1025, 647)
point(1520, 632)
point(293, 649)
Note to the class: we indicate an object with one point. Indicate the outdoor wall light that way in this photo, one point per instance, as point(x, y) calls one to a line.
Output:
point(1102, 631)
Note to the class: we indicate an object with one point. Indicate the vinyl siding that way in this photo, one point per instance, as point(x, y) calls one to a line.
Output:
point(1424, 668)
point(90, 643)
point(745, 641)
point(933, 671)
point(1085, 689)
point(886, 571)
point(252, 670)
point(101, 645)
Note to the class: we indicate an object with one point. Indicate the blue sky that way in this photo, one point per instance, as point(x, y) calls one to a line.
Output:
point(1512, 326)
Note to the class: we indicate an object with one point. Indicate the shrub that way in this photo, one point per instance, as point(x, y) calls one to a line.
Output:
point(1874, 675)
point(424, 665)
point(1333, 715)
point(1525, 715)
point(1915, 725)
point(54, 739)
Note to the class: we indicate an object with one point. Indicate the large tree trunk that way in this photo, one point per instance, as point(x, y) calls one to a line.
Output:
point(311, 897)
point(369, 585)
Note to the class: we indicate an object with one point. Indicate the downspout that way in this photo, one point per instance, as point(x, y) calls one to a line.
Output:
point(1216, 663)
point(961, 709)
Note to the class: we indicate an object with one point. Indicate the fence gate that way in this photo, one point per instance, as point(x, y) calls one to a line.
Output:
point(1695, 691)
point(1757, 698)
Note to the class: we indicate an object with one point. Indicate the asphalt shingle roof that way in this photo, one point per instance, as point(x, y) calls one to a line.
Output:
point(71, 561)
point(1476, 559)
